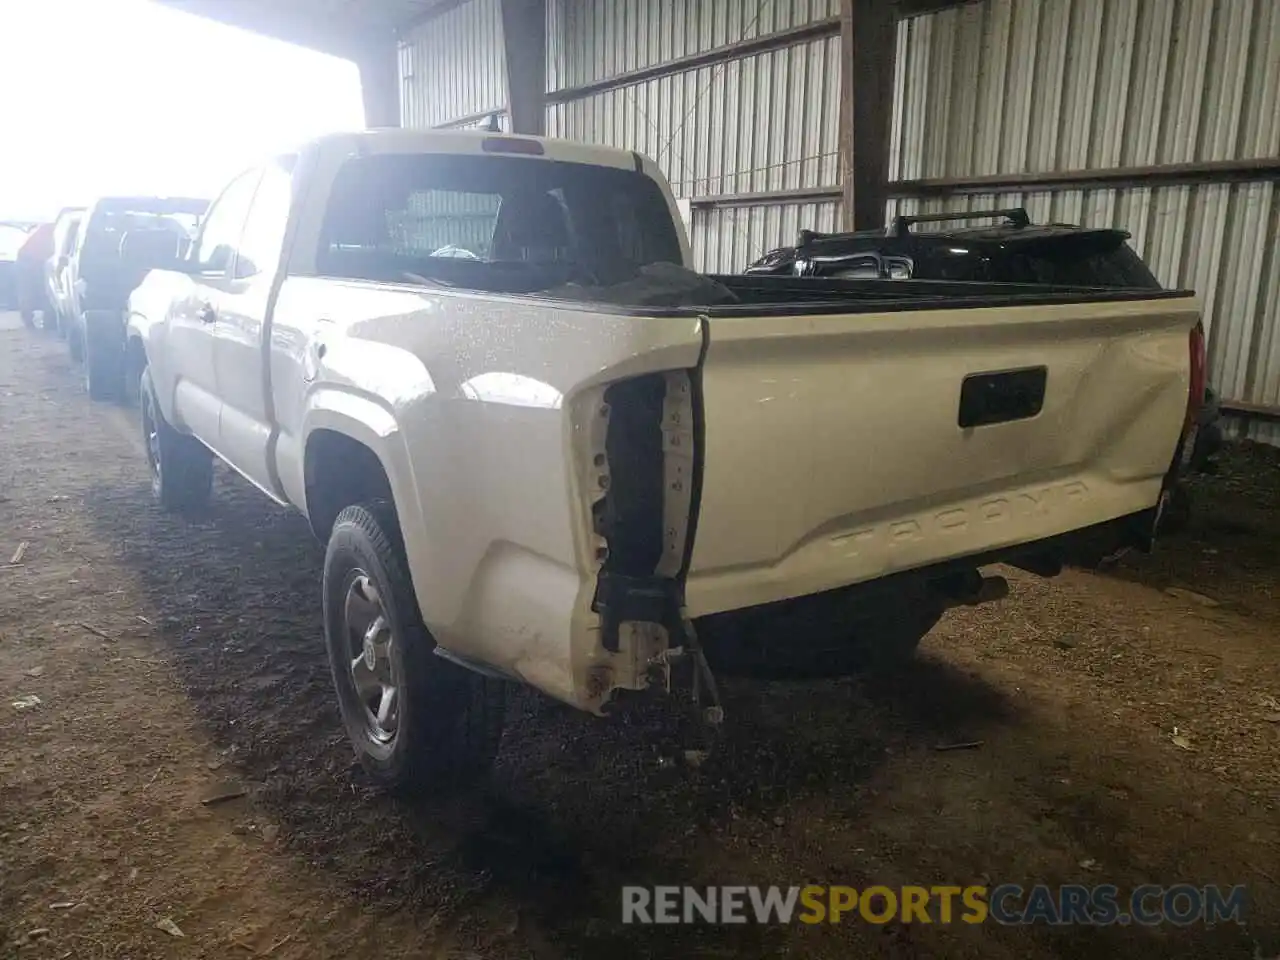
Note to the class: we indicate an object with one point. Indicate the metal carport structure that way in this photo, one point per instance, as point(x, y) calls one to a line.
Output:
point(768, 116)
point(370, 32)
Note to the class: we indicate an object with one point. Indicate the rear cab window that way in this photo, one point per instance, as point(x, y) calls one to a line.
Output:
point(500, 223)
point(110, 220)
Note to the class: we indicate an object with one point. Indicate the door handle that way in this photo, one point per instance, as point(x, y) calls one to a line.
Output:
point(206, 313)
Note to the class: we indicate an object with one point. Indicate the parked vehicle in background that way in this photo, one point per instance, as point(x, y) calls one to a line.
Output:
point(1012, 251)
point(12, 237)
point(29, 268)
point(58, 267)
point(549, 461)
point(102, 276)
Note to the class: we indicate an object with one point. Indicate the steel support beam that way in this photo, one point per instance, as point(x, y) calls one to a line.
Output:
point(792, 195)
point(1256, 170)
point(905, 9)
point(524, 46)
point(752, 46)
point(379, 64)
point(868, 43)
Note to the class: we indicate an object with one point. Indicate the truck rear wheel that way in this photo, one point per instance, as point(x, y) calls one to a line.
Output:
point(824, 635)
point(103, 355)
point(75, 341)
point(416, 721)
point(181, 466)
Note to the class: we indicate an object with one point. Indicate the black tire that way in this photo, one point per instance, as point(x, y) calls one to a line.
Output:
point(181, 466)
point(135, 362)
point(448, 719)
point(825, 635)
point(104, 366)
point(75, 341)
point(1177, 513)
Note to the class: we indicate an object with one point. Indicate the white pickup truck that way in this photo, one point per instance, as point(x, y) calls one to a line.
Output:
point(539, 448)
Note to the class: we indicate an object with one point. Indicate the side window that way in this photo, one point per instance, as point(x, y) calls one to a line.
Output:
point(444, 223)
point(216, 246)
point(631, 233)
point(263, 238)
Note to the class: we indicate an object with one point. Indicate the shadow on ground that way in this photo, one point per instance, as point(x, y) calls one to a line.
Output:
point(531, 863)
point(576, 806)
point(1230, 548)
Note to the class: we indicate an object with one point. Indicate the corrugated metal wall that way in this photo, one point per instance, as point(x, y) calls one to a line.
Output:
point(1008, 86)
point(764, 122)
point(437, 219)
point(730, 237)
point(989, 88)
point(1013, 86)
point(452, 66)
point(591, 40)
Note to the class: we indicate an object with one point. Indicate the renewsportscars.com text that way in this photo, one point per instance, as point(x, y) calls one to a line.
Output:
point(1010, 904)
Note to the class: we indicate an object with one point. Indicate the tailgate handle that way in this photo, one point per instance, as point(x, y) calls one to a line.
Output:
point(987, 398)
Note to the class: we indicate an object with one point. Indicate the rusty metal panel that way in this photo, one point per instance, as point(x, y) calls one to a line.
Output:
point(591, 40)
point(764, 122)
point(726, 239)
point(452, 66)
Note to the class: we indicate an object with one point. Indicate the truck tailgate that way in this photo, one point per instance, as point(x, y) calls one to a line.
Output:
point(834, 451)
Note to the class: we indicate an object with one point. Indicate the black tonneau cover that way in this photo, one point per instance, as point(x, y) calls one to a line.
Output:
point(785, 295)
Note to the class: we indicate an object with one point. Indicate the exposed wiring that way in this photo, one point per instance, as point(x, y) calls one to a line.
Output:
point(706, 86)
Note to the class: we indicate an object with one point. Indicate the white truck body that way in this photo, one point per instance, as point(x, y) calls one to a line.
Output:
point(804, 450)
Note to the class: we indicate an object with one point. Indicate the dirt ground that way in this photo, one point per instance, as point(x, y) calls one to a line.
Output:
point(1128, 735)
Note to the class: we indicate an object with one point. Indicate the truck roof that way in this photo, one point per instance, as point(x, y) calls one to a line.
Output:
point(473, 142)
point(192, 205)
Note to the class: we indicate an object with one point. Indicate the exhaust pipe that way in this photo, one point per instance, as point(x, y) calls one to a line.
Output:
point(970, 588)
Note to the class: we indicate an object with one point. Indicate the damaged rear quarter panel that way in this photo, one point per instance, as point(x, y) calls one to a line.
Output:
point(500, 545)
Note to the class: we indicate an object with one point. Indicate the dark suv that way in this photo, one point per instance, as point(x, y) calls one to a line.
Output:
point(119, 240)
point(1013, 250)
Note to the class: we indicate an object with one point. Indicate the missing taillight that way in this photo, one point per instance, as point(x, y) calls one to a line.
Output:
point(1199, 373)
point(644, 515)
point(629, 516)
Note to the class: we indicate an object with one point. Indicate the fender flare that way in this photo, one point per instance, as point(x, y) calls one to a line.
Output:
point(367, 421)
point(150, 333)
